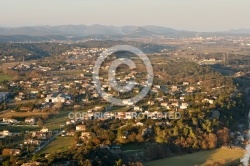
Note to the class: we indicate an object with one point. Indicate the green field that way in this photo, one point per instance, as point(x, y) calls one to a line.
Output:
point(221, 155)
point(20, 128)
point(54, 122)
point(59, 144)
point(4, 77)
point(9, 114)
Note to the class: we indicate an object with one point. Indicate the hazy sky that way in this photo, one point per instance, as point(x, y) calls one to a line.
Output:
point(198, 15)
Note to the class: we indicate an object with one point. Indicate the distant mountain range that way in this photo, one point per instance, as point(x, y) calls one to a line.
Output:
point(240, 31)
point(83, 30)
point(80, 32)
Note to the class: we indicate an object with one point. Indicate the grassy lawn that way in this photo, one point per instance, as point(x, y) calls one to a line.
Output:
point(54, 122)
point(200, 158)
point(19, 128)
point(59, 144)
point(4, 77)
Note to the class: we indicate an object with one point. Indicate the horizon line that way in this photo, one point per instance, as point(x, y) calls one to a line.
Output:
point(88, 25)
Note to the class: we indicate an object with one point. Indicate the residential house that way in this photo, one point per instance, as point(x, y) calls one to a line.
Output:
point(70, 133)
point(136, 108)
point(5, 133)
point(57, 97)
point(70, 122)
point(81, 127)
point(40, 135)
point(127, 102)
point(85, 135)
point(184, 106)
point(151, 102)
point(182, 98)
point(164, 104)
point(31, 142)
point(8, 120)
point(139, 124)
point(33, 163)
point(210, 101)
point(174, 88)
point(176, 104)
point(30, 120)
point(44, 130)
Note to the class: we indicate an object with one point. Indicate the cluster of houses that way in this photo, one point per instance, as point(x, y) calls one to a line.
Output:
point(32, 66)
point(42, 134)
point(12, 121)
point(8, 59)
point(54, 89)
point(34, 138)
point(57, 98)
point(83, 53)
point(7, 133)
point(84, 134)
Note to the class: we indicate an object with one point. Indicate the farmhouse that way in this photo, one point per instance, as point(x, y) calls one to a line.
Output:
point(57, 98)
point(80, 127)
point(31, 142)
point(85, 135)
point(44, 130)
point(5, 133)
point(8, 120)
point(30, 120)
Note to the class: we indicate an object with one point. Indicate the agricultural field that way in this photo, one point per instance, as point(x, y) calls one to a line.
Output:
point(202, 158)
point(4, 77)
point(9, 114)
point(13, 103)
point(68, 73)
point(19, 128)
point(54, 122)
point(7, 65)
point(59, 144)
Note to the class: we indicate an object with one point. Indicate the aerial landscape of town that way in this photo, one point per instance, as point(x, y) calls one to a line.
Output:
point(123, 95)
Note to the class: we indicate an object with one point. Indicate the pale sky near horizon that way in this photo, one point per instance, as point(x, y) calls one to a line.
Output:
point(196, 15)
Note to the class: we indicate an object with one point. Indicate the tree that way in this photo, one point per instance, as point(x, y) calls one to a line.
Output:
point(118, 163)
point(211, 140)
point(40, 122)
point(6, 163)
point(6, 152)
point(13, 160)
point(223, 136)
point(96, 141)
point(45, 116)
